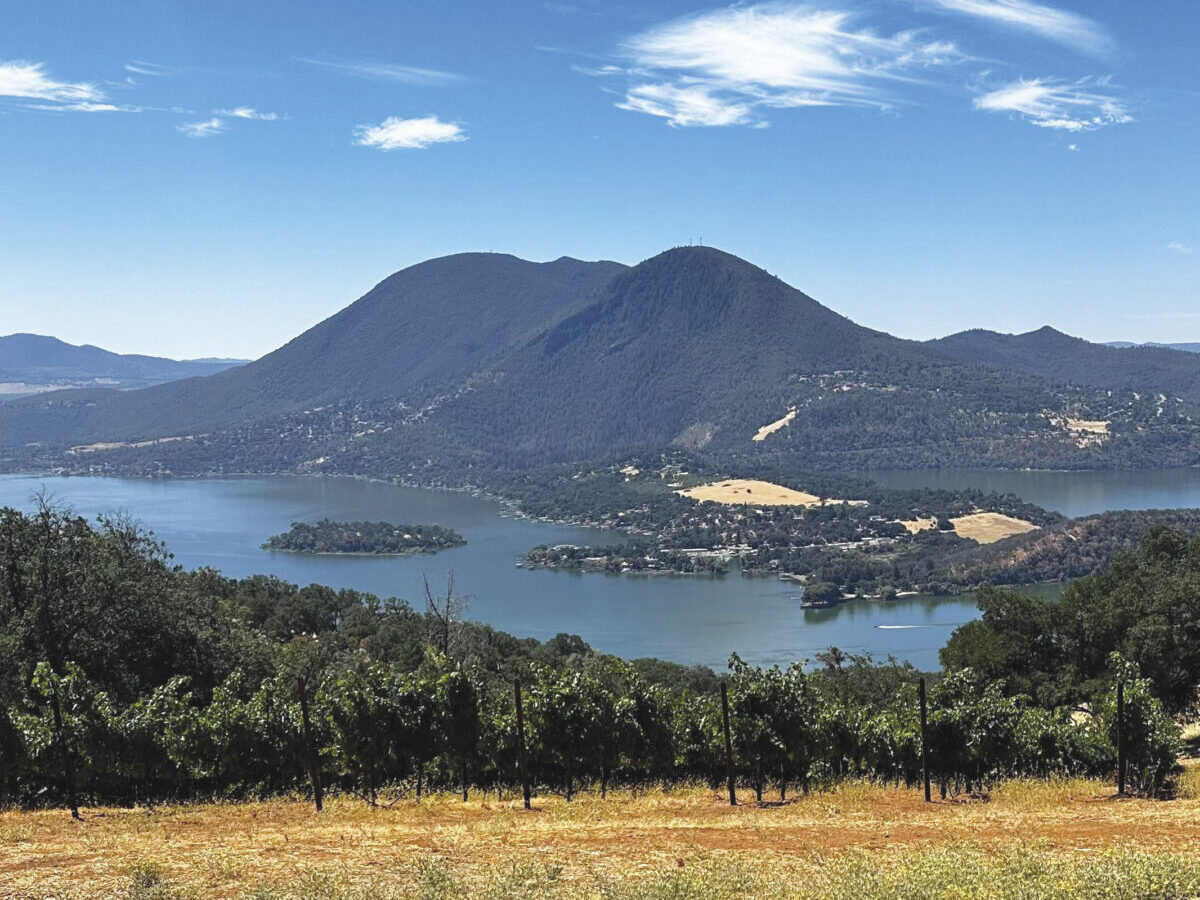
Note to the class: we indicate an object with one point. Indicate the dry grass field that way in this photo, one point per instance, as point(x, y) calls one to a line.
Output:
point(989, 527)
point(1030, 840)
point(749, 492)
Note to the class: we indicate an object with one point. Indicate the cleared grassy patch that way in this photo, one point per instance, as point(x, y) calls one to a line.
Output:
point(989, 527)
point(1033, 839)
point(751, 492)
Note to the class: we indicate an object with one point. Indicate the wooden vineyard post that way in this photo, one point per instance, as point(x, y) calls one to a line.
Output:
point(314, 767)
point(1121, 761)
point(729, 773)
point(522, 754)
point(924, 740)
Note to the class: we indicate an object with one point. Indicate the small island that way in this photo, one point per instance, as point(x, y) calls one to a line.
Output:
point(635, 558)
point(364, 539)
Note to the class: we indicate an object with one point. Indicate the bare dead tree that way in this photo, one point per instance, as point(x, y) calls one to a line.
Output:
point(445, 612)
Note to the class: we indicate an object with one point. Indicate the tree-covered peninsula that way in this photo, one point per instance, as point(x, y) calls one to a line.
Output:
point(381, 538)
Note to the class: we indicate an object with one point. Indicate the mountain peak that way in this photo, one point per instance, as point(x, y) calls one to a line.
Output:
point(689, 289)
point(699, 254)
point(1047, 333)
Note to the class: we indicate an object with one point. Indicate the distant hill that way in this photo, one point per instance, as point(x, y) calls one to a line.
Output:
point(1186, 348)
point(30, 363)
point(1052, 354)
point(479, 362)
point(419, 332)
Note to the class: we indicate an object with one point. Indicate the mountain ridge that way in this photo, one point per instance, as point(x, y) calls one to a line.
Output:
point(44, 359)
point(1049, 353)
point(493, 361)
point(1186, 347)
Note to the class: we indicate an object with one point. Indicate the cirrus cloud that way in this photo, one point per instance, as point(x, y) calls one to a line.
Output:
point(206, 128)
point(729, 66)
point(246, 112)
point(1068, 28)
point(28, 80)
point(1081, 105)
point(394, 133)
point(379, 71)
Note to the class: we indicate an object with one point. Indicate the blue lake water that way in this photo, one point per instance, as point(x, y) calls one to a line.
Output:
point(222, 523)
point(1070, 493)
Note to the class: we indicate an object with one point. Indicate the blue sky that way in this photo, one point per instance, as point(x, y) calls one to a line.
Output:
point(195, 179)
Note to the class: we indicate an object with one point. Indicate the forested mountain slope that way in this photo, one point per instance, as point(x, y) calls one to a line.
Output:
point(680, 348)
point(1186, 346)
point(1052, 354)
point(697, 348)
point(422, 330)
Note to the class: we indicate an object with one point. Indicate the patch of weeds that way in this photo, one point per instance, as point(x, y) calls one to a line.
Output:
point(11, 835)
point(435, 881)
point(713, 881)
point(146, 881)
point(524, 882)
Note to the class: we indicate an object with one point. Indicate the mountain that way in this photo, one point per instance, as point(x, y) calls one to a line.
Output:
point(37, 363)
point(1187, 348)
point(689, 347)
point(1052, 354)
point(484, 362)
point(422, 330)
point(699, 349)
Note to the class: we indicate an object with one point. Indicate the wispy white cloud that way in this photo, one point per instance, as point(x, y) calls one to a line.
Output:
point(29, 80)
point(85, 106)
point(1073, 147)
point(219, 123)
point(246, 112)
point(394, 133)
point(379, 71)
point(141, 67)
point(206, 128)
point(1068, 28)
point(1049, 103)
point(1180, 247)
point(684, 105)
point(730, 66)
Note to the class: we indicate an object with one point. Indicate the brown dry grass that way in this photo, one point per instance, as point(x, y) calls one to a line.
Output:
point(221, 851)
point(989, 527)
point(916, 525)
point(750, 492)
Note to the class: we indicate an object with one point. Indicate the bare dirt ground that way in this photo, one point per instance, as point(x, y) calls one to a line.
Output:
point(767, 430)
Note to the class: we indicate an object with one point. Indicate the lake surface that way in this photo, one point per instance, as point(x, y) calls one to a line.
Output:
point(1070, 493)
point(222, 523)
